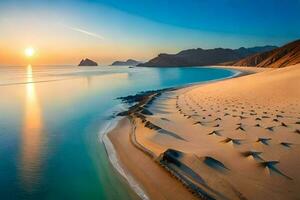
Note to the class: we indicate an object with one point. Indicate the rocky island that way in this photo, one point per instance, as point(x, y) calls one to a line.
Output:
point(127, 62)
point(87, 62)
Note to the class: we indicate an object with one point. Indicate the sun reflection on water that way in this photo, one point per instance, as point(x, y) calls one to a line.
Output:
point(31, 135)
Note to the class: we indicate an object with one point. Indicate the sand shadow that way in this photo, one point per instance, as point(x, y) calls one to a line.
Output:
point(264, 141)
point(271, 166)
point(215, 164)
point(254, 154)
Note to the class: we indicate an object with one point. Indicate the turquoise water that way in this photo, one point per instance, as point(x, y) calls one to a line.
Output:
point(50, 118)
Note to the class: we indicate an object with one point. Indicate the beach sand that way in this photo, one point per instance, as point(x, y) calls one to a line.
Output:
point(155, 181)
point(232, 139)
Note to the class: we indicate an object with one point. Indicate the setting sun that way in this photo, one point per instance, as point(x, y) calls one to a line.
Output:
point(29, 52)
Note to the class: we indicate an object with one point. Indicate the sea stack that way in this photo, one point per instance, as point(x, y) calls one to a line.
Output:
point(87, 62)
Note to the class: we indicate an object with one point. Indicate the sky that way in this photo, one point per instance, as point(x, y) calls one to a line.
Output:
point(64, 32)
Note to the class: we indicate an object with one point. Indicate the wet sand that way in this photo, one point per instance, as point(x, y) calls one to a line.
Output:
point(232, 139)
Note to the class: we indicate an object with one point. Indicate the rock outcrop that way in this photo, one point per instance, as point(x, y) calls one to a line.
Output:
point(87, 62)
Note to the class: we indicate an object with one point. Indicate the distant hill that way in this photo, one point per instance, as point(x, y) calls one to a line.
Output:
point(201, 57)
point(87, 62)
point(288, 54)
point(127, 62)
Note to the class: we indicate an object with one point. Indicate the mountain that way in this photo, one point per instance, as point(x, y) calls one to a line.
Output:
point(200, 57)
point(253, 50)
point(87, 62)
point(127, 62)
point(288, 54)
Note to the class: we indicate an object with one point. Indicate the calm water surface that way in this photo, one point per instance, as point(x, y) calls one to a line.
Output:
point(50, 119)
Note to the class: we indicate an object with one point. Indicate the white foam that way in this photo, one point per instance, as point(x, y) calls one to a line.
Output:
point(113, 157)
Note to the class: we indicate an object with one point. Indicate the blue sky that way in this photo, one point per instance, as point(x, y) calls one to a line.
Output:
point(107, 30)
point(230, 16)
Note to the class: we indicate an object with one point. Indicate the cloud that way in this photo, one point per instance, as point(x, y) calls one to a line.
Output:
point(95, 35)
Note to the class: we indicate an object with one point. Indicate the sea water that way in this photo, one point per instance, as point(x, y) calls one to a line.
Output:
point(50, 121)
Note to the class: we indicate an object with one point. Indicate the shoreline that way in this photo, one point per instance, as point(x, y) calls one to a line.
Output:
point(113, 154)
point(113, 158)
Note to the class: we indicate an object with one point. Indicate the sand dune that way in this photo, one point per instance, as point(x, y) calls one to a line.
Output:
point(233, 139)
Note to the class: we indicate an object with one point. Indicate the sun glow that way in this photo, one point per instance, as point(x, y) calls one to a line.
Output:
point(29, 52)
point(31, 135)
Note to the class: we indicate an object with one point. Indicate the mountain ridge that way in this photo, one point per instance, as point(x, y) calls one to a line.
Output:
point(288, 54)
point(200, 57)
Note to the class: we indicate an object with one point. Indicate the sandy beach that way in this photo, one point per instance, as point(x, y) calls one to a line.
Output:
point(232, 139)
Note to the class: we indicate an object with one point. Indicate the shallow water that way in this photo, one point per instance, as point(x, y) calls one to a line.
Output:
point(50, 117)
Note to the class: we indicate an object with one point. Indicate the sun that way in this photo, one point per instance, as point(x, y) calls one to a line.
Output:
point(29, 52)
